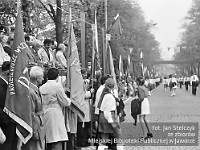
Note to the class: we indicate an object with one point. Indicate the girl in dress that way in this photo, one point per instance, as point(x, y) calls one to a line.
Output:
point(145, 108)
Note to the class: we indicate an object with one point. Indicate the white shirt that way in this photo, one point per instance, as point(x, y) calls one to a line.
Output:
point(173, 79)
point(3, 55)
point(61, 58)
point(98, 95)
point(108, 104)
point(44, 56)
point(193, 78)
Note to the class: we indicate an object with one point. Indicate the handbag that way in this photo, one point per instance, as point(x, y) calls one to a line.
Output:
point(2, 136)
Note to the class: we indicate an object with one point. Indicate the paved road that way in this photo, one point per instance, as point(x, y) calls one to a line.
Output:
point(166, 111)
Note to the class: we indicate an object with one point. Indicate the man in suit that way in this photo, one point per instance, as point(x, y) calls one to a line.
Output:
point(6, 123)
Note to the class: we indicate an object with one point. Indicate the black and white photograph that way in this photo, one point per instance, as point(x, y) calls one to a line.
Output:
point(99, 74)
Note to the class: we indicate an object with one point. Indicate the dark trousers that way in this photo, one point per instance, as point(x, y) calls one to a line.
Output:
point(83, 134)
point(194, 88)
point(186, 85)
point(181, 83)
point(71, 143)
point(55, 146)
point(9, 130)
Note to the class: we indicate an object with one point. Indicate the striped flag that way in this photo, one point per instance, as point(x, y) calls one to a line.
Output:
point(18, 105)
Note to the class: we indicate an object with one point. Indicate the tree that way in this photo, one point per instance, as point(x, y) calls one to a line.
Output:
point(191, 37)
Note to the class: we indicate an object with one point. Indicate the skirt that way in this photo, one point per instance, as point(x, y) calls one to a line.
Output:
point(104, 126)
point(145, 108)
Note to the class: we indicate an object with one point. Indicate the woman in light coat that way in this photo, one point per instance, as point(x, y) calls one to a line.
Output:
point(54, 99)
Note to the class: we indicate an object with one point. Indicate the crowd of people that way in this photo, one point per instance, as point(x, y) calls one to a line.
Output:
point(53, 128)
point(172, 81)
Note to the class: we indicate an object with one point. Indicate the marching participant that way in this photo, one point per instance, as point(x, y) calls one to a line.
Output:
point(194, 81)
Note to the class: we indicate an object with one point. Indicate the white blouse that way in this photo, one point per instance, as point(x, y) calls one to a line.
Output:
point(108, 105)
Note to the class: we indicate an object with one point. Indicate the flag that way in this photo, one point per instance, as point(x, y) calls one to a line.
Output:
point(145, 70)
point(95, 54)
point(97, 45)
point(131, 68)
point(112, 69)
point(74, 77)
point(18, 105)
point(142, 68)
point(121, 69)
point(116, 26)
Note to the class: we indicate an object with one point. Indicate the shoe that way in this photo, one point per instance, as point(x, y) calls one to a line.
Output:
point(141, 139)
point(149, 135)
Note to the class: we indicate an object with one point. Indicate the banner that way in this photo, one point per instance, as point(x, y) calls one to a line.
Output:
point(121, 69)
point(74, 77)
point(17, 105)
point(112, 69)
point(116, 26)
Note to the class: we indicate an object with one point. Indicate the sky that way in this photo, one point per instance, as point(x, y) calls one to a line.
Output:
point(169, 16)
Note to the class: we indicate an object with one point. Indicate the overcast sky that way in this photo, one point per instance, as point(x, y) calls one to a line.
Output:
point(169, 15)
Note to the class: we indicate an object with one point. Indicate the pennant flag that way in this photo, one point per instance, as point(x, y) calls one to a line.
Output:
point(129, 60)
point(18, 105)
point(131, 68)
point(96, 46)
point(112, 69)
point(142, 68)
point(74, 77)
point(121, 69)
point(116, 26)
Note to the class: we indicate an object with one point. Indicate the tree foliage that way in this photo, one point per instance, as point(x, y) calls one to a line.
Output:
point(39, 15)
point(190, 39)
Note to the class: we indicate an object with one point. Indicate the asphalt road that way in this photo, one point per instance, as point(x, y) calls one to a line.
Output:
point(174, 122)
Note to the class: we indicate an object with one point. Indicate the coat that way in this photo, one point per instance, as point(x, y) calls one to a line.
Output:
point(6, 123)
point(37, 142)
point(54, 99)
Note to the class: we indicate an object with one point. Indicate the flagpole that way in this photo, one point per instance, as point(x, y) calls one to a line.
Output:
point(68, 66)
point(106, 41)
point(106, 11)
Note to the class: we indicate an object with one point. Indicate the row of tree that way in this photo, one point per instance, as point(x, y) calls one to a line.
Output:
point(190, 40)
point(50, 18)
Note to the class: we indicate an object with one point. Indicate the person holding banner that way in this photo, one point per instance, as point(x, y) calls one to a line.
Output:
point(54, 98)
point(83, 130)
point(7, 125)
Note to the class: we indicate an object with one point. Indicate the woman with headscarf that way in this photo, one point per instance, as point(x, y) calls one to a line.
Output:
point(108, 122)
